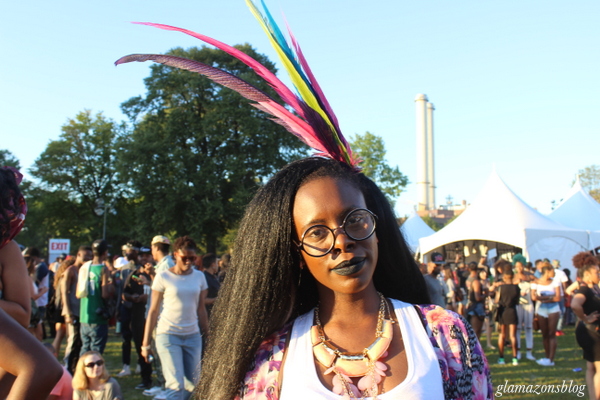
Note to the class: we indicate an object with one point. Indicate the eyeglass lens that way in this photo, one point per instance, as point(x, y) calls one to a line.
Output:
point(93, 363)
point(186, 258)
point(318, 240)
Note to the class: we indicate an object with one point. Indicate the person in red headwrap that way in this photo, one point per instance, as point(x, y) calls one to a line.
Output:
point(27, 370)
point(14, 282)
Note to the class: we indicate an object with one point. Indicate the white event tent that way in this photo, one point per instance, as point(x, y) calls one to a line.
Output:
point(413, 229)
point(579, 210)
point(498, 215)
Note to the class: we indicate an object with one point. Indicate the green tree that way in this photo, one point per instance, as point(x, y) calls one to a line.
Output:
point(431, 223)
point(590, 180)
point(75, 173)
point(8, 159)
point(198, 151)
point(371, 149)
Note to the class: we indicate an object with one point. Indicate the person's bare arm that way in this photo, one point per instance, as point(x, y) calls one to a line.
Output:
point(16, 300)
point(65, 286)
point(30, 371)
point(151, 320)
point(40, 293)
point(107, 286)
point(478, 291)
point(572, 288)
point(577, 307)
point(209, 300)
point(202, 314)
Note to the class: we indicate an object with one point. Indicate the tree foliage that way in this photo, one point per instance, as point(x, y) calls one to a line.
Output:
point(74, 172)
point(371, 149)
point(590, 180)
point(433, 224)
point(8, 159)
point(198, 151)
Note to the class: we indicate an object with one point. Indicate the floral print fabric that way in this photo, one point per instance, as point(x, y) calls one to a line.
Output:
point(462, 362)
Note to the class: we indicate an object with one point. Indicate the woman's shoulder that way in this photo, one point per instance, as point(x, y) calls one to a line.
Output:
point(112, 387)
point(262, 377)
point(462, 361)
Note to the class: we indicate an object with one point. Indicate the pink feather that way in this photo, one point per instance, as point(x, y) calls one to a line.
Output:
point(263, 101)
point(283, 91)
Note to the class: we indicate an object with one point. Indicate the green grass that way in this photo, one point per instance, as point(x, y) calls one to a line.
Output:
point(528, 372)
point(568, 357)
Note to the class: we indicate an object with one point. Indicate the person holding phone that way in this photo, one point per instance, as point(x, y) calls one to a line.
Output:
point(133, 292)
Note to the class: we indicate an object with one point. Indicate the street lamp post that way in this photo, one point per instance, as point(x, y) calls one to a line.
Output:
point(102, 209)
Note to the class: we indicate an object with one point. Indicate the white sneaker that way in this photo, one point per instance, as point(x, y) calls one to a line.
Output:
point(125, 371)
point(162, 395)
point(530, 356)
point(152, 391)
point(501, 361)
point(545, 362)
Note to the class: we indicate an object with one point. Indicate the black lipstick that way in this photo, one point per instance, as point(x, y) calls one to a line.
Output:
point(349, 267)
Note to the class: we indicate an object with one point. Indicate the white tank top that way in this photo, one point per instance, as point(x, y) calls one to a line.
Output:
point(423, 379)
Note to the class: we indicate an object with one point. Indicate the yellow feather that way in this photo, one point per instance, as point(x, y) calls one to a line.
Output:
point(303, 89)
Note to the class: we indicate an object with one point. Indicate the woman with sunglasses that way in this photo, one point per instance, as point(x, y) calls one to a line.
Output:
point(91, 379)
point(178, 295)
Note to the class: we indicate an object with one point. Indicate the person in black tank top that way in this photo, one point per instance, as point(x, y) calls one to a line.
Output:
point(586, 305)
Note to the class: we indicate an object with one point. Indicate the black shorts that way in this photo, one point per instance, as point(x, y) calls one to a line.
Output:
point(588, 338)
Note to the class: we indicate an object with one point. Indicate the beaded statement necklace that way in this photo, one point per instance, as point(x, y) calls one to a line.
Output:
point(365, 365)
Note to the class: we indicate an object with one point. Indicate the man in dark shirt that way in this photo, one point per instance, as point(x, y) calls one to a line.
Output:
point(210, 265)
point(133, 292)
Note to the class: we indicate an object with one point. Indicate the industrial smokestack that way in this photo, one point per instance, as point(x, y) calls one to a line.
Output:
point(430, 159)
point(422, 183)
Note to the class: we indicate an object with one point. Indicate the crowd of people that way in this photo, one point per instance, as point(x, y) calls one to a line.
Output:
point(93, 290)
point(515, 296)
point(323, 299)
point(518, 298)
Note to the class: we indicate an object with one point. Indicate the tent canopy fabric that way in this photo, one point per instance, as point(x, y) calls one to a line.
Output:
point(497, 214)
point(579, 210)
point(413, 229)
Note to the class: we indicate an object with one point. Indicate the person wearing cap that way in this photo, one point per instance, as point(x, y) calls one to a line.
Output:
point(134, 294)
point(434, 286)
point(145, 256)
point(131, 253)
point(94, 286)
point(160, 252)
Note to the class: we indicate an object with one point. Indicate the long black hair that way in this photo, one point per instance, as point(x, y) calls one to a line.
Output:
point(265, 286)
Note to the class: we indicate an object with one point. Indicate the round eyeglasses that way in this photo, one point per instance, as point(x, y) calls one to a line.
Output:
point(319, 240)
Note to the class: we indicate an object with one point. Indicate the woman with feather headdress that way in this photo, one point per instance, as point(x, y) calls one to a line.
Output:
point(319, 301)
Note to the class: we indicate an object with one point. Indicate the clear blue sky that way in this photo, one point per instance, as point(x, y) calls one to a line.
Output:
point(515, 83)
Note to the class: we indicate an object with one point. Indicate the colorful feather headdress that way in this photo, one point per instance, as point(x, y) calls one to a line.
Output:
point(313, 122)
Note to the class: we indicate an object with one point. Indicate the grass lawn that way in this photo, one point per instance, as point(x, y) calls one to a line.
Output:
point(527, 372)
point(568, 357)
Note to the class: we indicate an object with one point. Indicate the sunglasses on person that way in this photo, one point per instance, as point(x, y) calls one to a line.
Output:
point(185, 259)
point(98, 363)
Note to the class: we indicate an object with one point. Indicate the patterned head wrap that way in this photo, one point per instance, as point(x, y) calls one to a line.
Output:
point(12, 217)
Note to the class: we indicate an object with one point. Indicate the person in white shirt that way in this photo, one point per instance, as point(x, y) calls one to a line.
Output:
point(181, 290)
point(560, 280)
